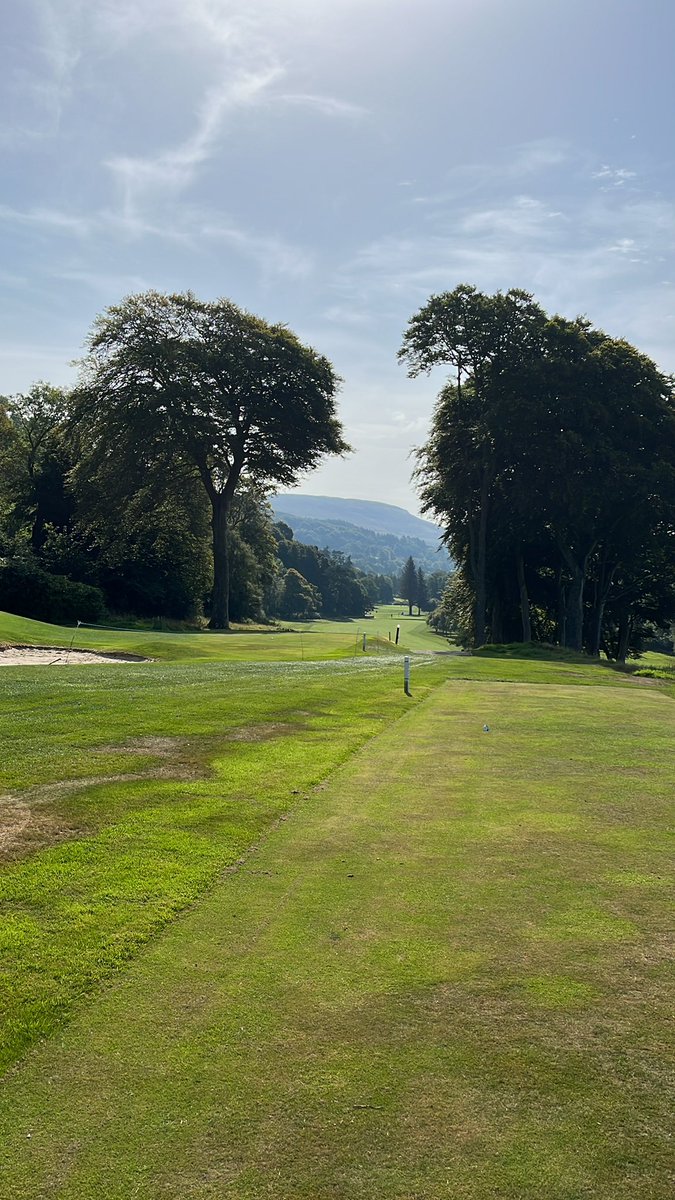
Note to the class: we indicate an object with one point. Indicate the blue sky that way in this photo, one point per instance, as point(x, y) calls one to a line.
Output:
point(331, 164)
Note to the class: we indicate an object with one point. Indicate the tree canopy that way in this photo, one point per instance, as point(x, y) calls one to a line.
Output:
point(550, 464)
point(171, 379)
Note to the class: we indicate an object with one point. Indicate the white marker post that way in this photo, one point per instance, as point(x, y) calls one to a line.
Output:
point(406, 675)
point(364, 643)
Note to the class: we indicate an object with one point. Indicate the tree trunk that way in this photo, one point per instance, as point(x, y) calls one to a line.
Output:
point(524, 598)
point(575, 610)
point(624, 635)
point(481, 558)
point(596, 631)
point(220, 608)
point(562, 609)
point(496, 624)
point(574, 639)
point(602, 590)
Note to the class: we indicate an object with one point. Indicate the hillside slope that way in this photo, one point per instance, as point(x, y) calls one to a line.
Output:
point(366, 514)
point(381, 553)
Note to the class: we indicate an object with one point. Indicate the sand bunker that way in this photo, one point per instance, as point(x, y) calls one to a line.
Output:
point(58, 656)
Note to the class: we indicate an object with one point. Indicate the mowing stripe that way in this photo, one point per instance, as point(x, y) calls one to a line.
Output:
point(441, 977)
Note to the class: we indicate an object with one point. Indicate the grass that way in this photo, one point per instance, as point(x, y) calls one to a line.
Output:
point(274, 930)
point(442, 976)
point(122, 804)
point(308, 641)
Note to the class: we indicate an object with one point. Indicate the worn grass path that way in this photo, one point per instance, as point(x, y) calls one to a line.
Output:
point(442, 977)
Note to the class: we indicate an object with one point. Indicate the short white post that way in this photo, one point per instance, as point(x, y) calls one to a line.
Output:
point(364, 643)
point(406, 675)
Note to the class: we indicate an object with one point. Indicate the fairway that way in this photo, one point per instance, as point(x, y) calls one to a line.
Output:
point(292, 642)
point(442, 975)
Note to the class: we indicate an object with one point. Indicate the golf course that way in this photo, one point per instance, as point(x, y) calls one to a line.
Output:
point(272, 928)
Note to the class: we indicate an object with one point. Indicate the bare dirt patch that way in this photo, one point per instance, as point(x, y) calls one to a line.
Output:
point(160, 747)
point(53, 656)
point(263, 732)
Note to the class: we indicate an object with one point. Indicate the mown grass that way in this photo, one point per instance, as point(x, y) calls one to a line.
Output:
point(293, 642)
point(444, 975)
point(127, 789)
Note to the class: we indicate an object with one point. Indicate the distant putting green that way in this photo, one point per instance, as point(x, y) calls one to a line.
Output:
point(443, 975)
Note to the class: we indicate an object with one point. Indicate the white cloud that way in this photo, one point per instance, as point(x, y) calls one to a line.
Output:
point(328, 106)
point(49, 219)
point(142, 178)
point(517, 163)
point(614, 176)
point(598, 259)
point(272, 254)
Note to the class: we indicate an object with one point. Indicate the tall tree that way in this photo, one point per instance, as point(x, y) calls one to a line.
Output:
point(422, 593)
point(476, 336)
point(170, 376)
point(37, 468)
point(576, 432)
point(409, 584)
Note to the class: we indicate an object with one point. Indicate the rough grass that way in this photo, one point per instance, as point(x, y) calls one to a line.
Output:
point(443, 976)
point(119, 805)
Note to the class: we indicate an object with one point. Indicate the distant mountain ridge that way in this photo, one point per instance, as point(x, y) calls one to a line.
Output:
point(371, 549)
point(366, 514)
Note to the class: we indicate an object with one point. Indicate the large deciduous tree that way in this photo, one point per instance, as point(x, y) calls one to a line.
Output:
point(550, 463)
point(476, 336)
point(170, 378)
point(37, 460)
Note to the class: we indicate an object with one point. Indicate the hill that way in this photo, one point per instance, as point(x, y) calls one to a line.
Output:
point(381, 550)
point(365, 514)
point(381, 553)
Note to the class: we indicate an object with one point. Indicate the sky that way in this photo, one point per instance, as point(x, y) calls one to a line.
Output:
point(331, 164)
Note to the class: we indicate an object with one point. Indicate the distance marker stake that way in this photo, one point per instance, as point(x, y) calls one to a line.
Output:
point(406, 675)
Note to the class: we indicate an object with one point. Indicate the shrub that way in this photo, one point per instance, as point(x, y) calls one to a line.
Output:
point(28, 591)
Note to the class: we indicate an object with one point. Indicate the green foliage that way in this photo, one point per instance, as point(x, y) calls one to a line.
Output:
point(551, 464)
point(298, 598)
point(374, 553)
point(172, 377)
point(35, 458)
point(453, 616)
point(336, 580)
point(27, 590)
point(409, 583)
point(422, 599)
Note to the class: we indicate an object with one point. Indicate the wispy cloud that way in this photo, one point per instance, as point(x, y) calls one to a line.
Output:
point(175, 168)
point(190, 227)
point(515, 165)
point(51, 220)
point(328, 106)
point(103, 282)
point(614, 176)
point(274, 255)
point(596, 256)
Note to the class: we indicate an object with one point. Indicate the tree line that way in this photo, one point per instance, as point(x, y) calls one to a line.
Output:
point(77, 545)
point(551, 467)
point(143, 489)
